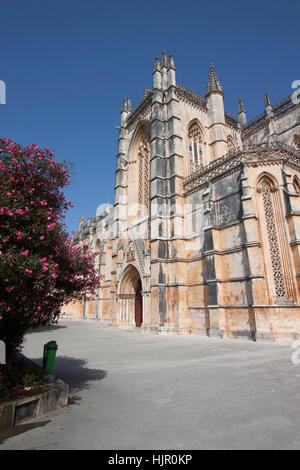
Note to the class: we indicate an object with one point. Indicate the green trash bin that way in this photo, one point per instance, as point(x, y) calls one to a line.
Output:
point(49, 355)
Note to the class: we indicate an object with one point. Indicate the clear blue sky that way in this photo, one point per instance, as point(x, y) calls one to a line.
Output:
point(68, 64)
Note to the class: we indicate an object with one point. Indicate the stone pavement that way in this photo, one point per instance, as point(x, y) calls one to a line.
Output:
point(134, 391)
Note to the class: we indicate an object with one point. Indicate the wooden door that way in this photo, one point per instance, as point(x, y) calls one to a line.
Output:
point(138, 306)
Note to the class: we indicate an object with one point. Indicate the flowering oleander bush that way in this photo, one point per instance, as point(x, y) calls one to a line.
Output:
point(39, 269)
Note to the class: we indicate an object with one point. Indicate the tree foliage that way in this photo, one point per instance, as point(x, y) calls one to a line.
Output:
point(39, 269)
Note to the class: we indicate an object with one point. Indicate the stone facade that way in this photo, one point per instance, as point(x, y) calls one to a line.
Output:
point(204, 233)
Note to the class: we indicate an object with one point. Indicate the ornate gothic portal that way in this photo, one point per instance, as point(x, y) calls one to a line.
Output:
point(130, 298)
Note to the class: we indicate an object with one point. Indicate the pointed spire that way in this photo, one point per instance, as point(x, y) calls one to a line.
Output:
point(164, 61)
point(267, 101)
point(213, 84)
point(124, 105)
point(171, 64)
point(81, 222)
point(128, 103)
point(242, 113)
point(157, 67)
point(241, 108)
point(268, 106)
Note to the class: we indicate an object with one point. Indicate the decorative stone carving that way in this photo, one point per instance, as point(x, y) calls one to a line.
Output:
point(266, 190)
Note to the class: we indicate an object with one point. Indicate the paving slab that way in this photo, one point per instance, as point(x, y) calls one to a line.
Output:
point(138, 391)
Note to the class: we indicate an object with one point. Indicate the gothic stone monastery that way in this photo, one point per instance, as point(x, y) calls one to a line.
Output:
point(204, 233)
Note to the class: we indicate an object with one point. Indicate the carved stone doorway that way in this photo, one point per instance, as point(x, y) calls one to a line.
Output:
point(130, 298)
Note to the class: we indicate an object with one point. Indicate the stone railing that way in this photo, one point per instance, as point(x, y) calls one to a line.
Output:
point(231, 120)
point(277, 109)
point(255, 123)
point(189, 95)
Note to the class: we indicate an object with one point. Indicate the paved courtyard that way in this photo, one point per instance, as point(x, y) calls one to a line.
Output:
point(134, 391)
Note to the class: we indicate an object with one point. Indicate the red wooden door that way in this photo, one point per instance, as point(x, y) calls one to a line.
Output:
point(138, 306)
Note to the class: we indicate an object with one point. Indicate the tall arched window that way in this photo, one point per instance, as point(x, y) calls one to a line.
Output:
point(275, 243)
point(139, 174)
point(143, 153)
point(195, 147)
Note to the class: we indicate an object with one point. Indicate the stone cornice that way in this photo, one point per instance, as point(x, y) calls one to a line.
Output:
point(264, 154)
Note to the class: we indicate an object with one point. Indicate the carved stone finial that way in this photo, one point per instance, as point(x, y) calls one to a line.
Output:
point(157, 66)
point(128, 103)
point(164, 61)
point(171, 64)
point(241, 108)
point(213, 84)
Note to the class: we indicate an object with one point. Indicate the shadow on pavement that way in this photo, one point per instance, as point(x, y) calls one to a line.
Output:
point(45, 328)
point(74, 372)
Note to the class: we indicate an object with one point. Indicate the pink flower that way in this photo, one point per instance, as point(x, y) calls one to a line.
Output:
point(28, 271)
point(9, 289)
point(25, 253)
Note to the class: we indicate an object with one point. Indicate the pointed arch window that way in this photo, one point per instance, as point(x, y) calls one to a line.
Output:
point(138, 178)
point(276, 245)
point(143, 153)
point(195, 146)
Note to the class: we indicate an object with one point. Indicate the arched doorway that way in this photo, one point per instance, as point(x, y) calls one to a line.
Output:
point(130, 298)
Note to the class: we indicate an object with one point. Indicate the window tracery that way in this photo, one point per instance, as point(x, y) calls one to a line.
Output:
point(195, 147)
point(276, 240)
point(266, 189)
point(143, 156)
